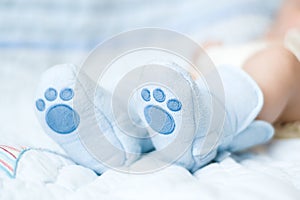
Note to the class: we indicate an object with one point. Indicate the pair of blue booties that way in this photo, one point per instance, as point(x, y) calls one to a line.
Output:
point(177, 128)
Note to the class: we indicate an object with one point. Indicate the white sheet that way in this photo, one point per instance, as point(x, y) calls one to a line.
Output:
point(271, 172)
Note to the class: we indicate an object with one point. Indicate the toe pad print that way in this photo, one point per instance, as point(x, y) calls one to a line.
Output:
point(174, 105)
point(40, 104)
point(159, 95)
point(51, 94)
point(66, 94)
point(146, 95)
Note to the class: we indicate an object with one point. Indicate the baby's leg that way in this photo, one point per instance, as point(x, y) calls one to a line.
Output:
point(277, 72)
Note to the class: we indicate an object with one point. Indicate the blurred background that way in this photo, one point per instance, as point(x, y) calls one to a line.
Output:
point(36, 34)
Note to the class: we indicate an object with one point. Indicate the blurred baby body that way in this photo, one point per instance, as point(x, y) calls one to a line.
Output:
point(236, 55)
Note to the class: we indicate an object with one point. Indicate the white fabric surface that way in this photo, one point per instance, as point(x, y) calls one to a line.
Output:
point(81, 24)
point(271, 172)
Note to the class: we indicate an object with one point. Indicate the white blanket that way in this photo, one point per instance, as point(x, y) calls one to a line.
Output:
point(271, 172)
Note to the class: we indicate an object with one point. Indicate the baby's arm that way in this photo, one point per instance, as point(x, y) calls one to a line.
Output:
point(277, 72)
point(287, 18)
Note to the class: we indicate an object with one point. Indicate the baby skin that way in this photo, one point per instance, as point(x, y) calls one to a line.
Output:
point(277, 70)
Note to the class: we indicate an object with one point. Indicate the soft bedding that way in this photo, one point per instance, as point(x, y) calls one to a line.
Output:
point(34, 167)
point(265, 173)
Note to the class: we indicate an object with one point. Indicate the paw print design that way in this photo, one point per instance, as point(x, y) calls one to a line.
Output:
point(158, 118)
point(60, 117)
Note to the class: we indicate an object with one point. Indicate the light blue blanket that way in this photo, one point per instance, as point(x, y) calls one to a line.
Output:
point(80, 25)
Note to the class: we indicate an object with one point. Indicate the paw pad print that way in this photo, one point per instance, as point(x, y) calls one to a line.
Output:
point(60, 117)
point(159, 119)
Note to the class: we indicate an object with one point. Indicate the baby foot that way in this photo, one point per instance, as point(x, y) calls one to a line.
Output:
point(70, 114)
point(61, 118)
point(177, 116)
point(160, 117)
